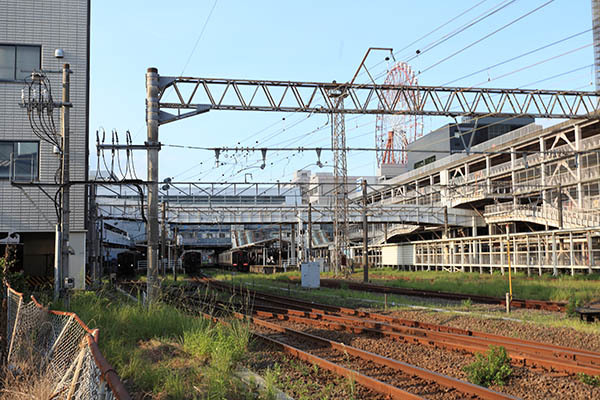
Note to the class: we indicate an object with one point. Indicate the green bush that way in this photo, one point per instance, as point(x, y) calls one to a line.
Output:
point(492, 367)
point(572, 306)
point(589, 379)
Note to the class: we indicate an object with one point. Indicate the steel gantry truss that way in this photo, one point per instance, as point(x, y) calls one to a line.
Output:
point(191, 96)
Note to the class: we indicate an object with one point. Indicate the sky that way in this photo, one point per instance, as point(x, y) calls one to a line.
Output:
point(312, 41)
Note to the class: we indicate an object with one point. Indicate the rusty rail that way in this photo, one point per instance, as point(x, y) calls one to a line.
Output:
point(524, 352)
point(376, 385)
point(558, 306)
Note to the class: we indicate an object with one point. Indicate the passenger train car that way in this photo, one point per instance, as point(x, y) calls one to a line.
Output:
point(235, 259)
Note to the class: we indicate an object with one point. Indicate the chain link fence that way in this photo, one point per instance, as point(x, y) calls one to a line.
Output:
point(65, 349)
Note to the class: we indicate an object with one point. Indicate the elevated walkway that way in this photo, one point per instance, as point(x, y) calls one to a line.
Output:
point(285, 214)
point(542, 215)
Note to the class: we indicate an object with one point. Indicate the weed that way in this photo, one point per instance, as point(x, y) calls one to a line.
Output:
point(163, 351)
point(572, 306)
point(589, 379)
point(467, 303)
point(491, 368)
point(352, 387)
point(315, 368)
point(271, 378)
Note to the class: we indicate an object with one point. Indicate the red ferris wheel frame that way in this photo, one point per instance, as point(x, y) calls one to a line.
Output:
point(393, 133)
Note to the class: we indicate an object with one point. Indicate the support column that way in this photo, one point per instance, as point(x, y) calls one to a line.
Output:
point(571, 254)
point(578, 166)
point(554, 254)
point(65, 218)
point(445, 235)
point(309, 231)
point(543, 172)
point(152, 110)
point(513, 174)
point(293, 246)
point(365, 233)
point(488, 180)
point(502, 257)
point(163, 237)
point(281, 244)
point(590, 252)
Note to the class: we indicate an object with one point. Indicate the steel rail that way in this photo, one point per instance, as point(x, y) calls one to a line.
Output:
point(517, 303)
point(381, 387)
point(367, 381)
point(523, 351)
point(460, 343)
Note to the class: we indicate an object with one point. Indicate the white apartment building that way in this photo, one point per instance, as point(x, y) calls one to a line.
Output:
point(31, 31)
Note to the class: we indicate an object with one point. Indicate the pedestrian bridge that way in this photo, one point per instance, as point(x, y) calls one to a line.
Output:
point(290, 214)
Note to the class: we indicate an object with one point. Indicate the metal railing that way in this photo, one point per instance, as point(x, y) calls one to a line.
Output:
point(573, 217)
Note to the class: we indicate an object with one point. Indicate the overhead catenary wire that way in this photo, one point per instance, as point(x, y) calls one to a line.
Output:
point(295, 139)
point(199, 37)
point(514, 21)
point(527, 53)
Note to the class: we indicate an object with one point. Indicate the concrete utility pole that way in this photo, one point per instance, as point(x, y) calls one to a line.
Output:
point(65, 178)
point(280, 248)
point(309, 232)
point(152, 225)
point(175, 255)
point(163, 238)
point(93, 236)
point(365, 233)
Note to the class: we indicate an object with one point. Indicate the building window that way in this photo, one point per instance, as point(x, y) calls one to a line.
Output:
point(24, 157)
point(424, 162)
point(17, 62)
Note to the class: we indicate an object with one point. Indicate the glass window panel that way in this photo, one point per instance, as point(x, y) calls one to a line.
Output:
point(6, 149)
point(24, 148)
point(7, 62)
point(28, 59)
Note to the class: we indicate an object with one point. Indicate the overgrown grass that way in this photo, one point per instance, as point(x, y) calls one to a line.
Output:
point(164, 352)
point(279, 283)
point(579, 289)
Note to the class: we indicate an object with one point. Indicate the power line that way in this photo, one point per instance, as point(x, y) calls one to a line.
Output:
point(486, 36)
point(517, 57)
point(199, 37)
point(471, 23)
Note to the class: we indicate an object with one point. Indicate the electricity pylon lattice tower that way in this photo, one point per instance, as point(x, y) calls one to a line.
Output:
point(340, 177)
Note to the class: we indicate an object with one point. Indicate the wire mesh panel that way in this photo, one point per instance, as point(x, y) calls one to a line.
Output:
point(63, 347)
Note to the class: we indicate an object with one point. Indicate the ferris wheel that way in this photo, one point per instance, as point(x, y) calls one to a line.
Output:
point(394, 132)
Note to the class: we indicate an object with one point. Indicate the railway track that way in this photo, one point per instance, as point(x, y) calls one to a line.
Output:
point(558, 306)
point(380, 374)
point(299, 328)
point(532, 354)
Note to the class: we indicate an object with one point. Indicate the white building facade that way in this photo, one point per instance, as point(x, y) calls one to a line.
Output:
point(31, 31)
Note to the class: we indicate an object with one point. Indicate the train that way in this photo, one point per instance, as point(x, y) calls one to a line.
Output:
point(127, 263)
point(235, 259)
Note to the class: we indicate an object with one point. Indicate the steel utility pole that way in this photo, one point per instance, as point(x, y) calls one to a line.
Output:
point(365, 233)
point(64, 191)
point(152, 228)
